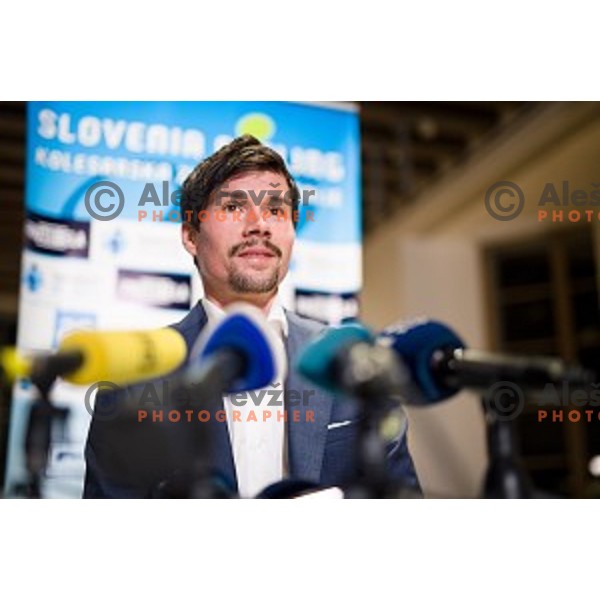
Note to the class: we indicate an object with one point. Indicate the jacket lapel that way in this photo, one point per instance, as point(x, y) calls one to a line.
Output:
point(306, 438)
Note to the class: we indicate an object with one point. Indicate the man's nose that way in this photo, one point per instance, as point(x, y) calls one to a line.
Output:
point(255, 221)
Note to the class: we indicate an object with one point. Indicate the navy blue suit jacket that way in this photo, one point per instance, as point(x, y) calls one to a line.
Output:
point(130, 459)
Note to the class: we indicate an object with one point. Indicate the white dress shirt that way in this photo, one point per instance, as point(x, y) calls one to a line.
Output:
point(257, 430)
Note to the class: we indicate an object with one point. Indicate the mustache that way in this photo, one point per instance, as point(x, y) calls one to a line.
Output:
point(251, 243)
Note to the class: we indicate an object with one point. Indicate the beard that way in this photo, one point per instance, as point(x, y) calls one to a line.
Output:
point(254, 283)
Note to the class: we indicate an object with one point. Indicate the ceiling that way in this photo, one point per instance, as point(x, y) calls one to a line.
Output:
point(407, 145)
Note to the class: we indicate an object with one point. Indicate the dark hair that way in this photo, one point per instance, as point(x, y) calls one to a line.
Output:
point(243, 154)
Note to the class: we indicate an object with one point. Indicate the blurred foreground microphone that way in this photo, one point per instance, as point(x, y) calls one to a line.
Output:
point(240, 353)
point(441, 366)
point(297, 489)
point(13, 365)
point(122, 357)
point(345, 360)
point(85, 357)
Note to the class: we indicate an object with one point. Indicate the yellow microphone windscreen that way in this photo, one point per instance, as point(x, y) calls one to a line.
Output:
point(124, 357)
point(14, 365)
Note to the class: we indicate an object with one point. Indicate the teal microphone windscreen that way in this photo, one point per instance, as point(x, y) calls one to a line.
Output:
point(317, 361)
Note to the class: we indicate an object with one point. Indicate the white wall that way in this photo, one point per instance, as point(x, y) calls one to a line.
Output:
point(429, 261)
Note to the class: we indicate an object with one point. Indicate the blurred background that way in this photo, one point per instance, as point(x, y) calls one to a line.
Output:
point(431, 247)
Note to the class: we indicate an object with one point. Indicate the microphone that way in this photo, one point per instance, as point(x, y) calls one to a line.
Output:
point(323, 360)
point(441, 365)
point(84, 357)
point(13, 365)
point(121, 357)
point(287, 489)
point(239, 353)
point(297, 489)
point(346, 360)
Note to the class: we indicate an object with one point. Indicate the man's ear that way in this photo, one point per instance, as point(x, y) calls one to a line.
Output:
point(188, 238)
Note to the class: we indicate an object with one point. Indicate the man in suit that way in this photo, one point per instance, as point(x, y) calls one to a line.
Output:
point(238, 211)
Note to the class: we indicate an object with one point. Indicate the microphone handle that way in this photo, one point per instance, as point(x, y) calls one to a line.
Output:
point(203, 384)
point(45, 370)
point(371, 373)
point(458, 368)
point(212, 376)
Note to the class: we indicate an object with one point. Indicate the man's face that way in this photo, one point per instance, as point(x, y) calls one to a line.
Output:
point(244, 242)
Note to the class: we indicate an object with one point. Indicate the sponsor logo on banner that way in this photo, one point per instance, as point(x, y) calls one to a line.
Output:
point(57, 237)
point(164, 290)
point(329, 308)
point(33, 279)
point(68, 321)
point(115, 243)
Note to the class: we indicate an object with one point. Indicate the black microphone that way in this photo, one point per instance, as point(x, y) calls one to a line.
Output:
point(476, 368)
point(441, 365)
point(288, 489)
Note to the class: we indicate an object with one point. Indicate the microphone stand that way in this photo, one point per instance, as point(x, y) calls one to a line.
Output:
point(41, 419)
point(505, 477)
point(204, 385)
point(373, 377)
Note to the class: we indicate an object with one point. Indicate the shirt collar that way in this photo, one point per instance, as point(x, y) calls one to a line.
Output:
point(276, 316)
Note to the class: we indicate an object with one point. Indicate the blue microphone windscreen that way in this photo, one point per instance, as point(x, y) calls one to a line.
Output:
point(415, 343)
point(317, 359)
point(245, 331)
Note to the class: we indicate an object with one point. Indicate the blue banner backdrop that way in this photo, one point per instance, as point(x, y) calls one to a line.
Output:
point(113, 259)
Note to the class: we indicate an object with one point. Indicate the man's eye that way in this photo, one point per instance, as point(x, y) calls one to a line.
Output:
point(231, 207)
point(276, 210)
